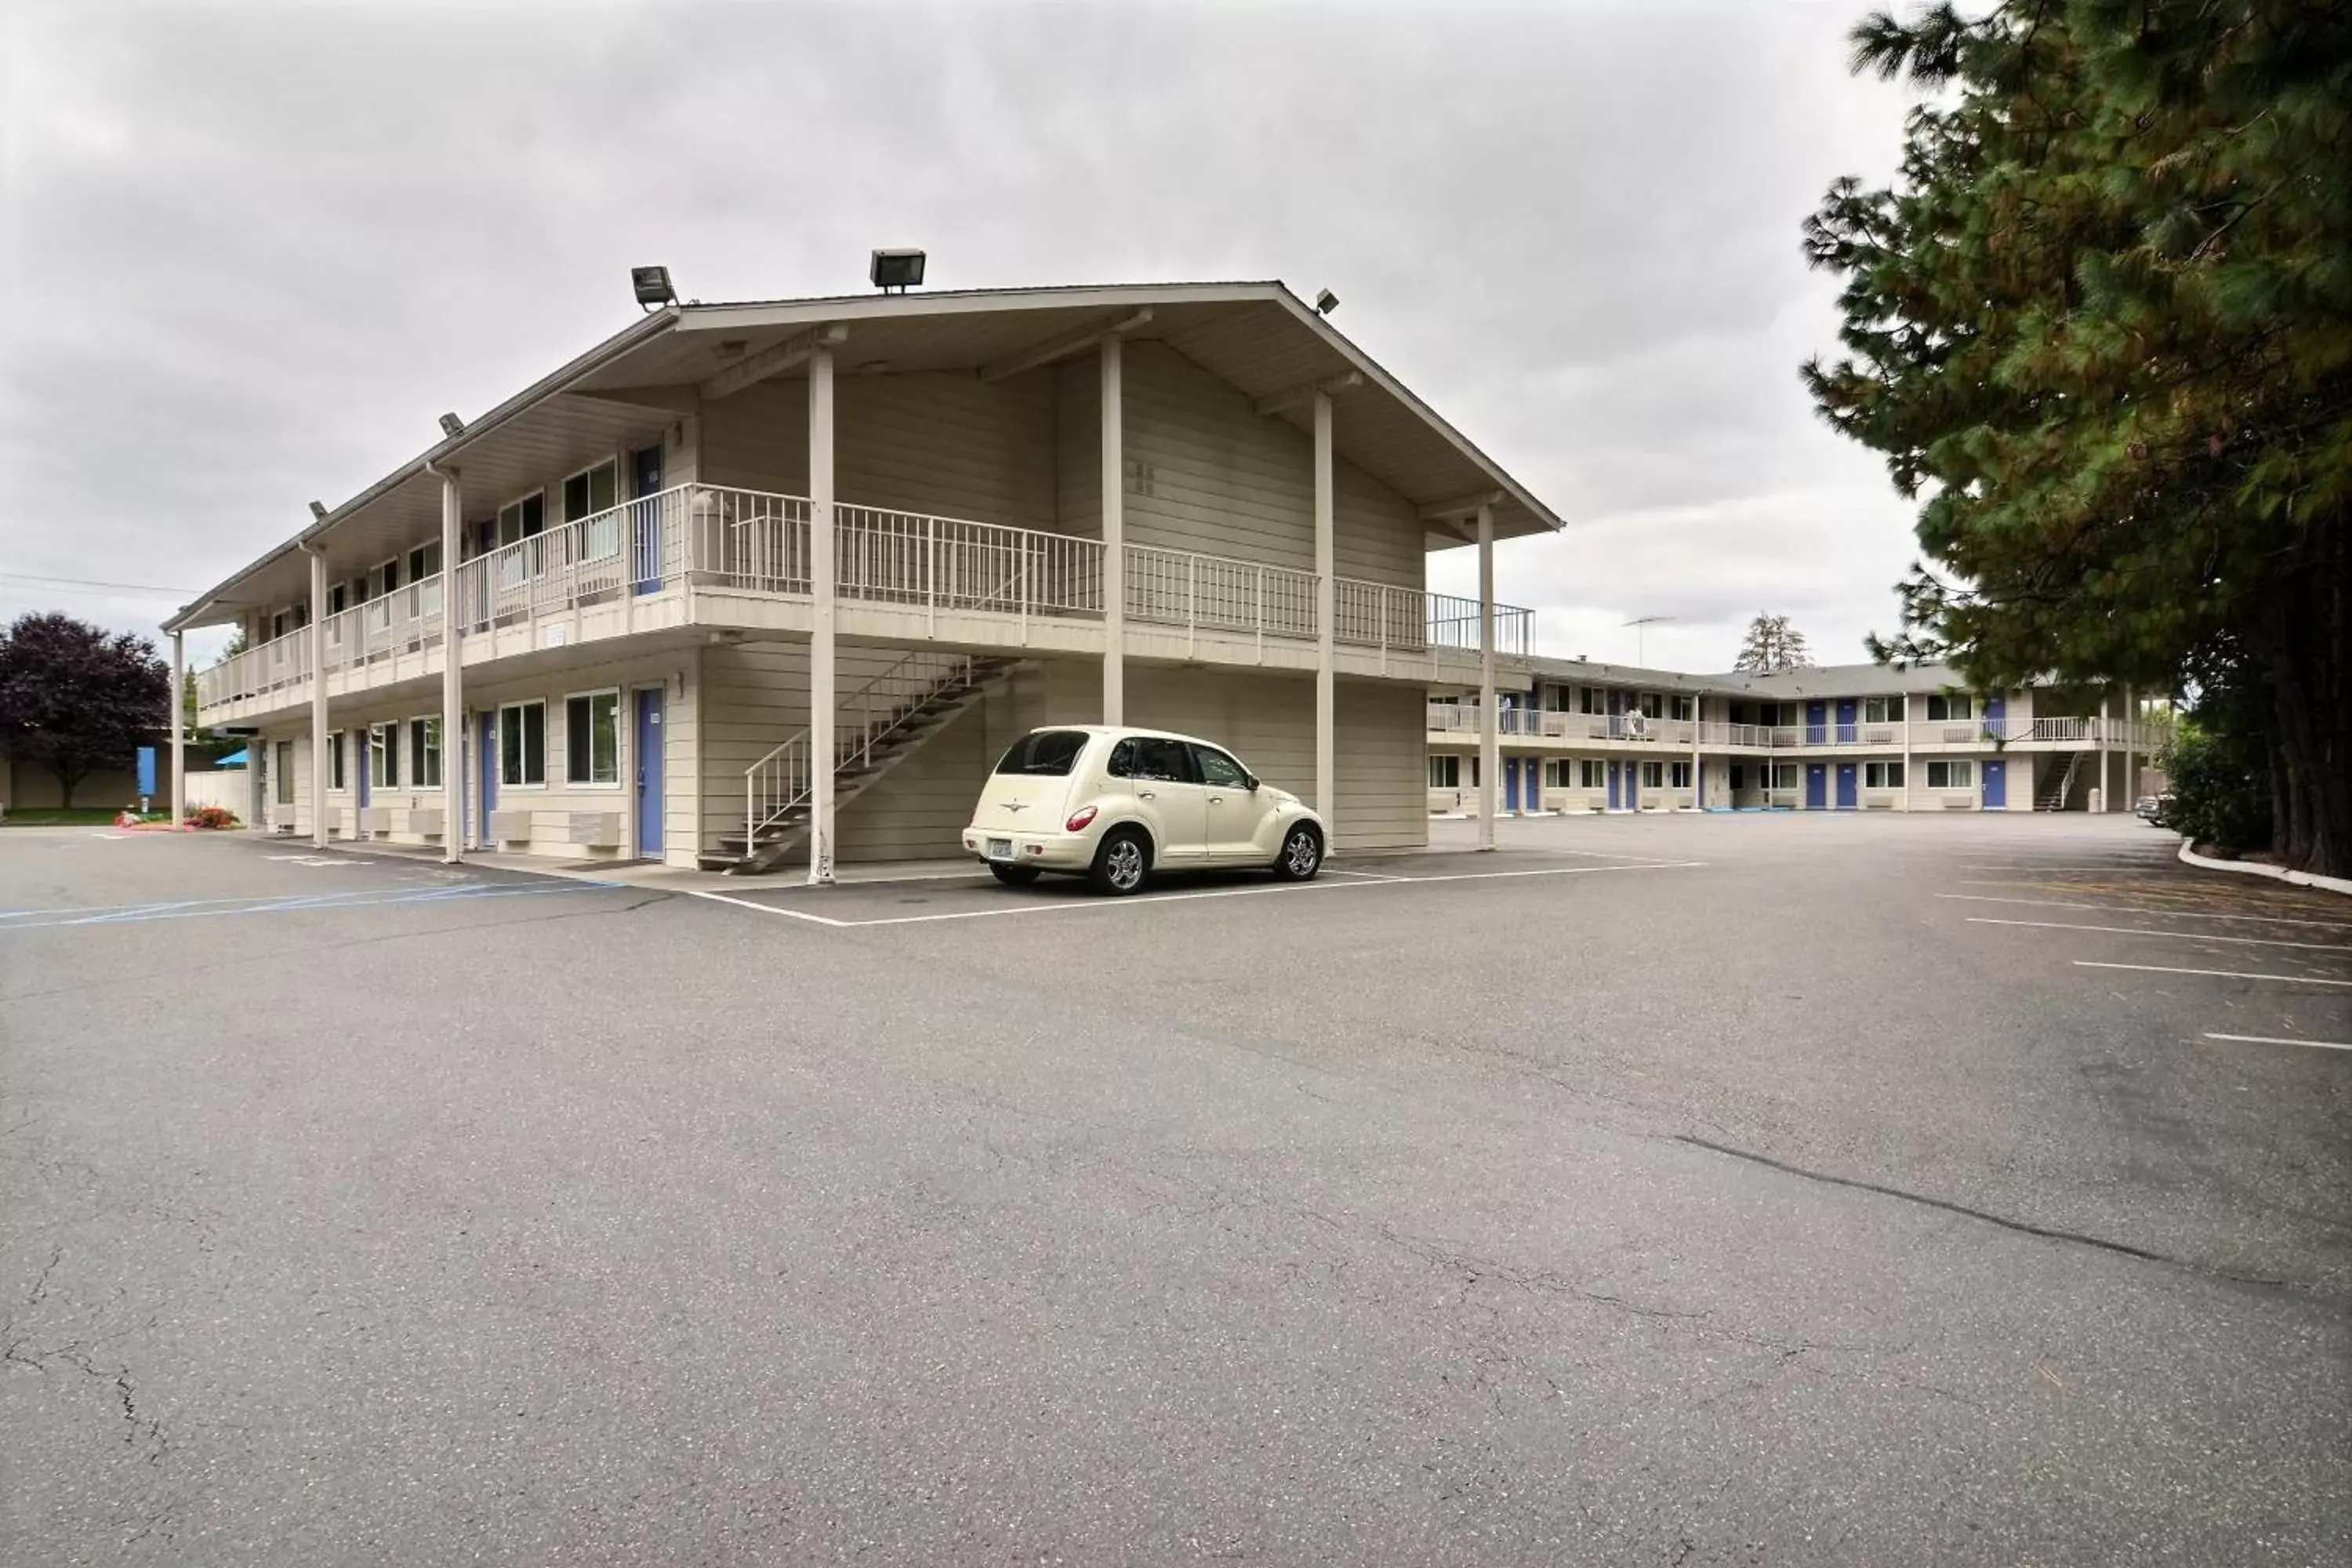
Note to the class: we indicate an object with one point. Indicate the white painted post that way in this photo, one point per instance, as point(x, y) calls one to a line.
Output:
point(1698, 777)
point(1326, 607)
point(1906, 752)
point(2129, 794)
point(180, 734)
point(821, 595)
point(317, 696)
point(1490, 746)
point(1114, 534)
point(453, 675)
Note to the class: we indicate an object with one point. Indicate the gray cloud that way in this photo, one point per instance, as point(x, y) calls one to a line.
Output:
point(249, 253)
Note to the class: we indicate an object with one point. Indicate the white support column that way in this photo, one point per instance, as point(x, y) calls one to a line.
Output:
point(1326, 609)
point(317, 696)
point(1698, 777)
point(2129, 792)
point(1907, 780)
point(822, 696)
point(1114, 533)
point(453, 677)
point(180, 732)
point(1490, 745)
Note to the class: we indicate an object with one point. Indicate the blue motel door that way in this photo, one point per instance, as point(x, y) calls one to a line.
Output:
point(649, 757)
point(1846, 731)
point(1817, 727)
point(1817, 786)
point(1613, 801)
point(1846, 798)
point(1996, 786)
point(1510, 783)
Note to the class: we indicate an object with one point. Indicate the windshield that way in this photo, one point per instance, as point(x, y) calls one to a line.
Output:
point(1053, 752)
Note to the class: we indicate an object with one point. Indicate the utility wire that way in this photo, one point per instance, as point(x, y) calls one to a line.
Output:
point(93, 582)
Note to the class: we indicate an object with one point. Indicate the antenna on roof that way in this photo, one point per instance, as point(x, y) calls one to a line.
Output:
point(895, 271)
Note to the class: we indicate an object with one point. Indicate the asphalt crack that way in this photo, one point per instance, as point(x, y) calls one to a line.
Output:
point(2022, 1227)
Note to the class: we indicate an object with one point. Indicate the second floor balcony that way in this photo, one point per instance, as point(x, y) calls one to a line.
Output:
point(710, 555)
point(1634, 731)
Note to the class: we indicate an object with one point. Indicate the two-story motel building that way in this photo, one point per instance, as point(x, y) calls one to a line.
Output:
point(753, 581)
point(1573, 736)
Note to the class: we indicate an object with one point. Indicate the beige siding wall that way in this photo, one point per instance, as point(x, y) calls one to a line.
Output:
point(951, 445)
point(1205, 471)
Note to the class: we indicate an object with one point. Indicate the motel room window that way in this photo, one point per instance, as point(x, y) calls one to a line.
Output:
point(1951, 775)
point(523, 519)
point(522, 745)
point(1944, 706)
point(338, 598)
point(1882, 776)
point(335, 761)
point(1685, 706)
point(1592, 773)
point(592, 738)
point(425, 753)
point(383, 756)
point(282, 759)
point(1653, 705)
point(1654, 775)
point(281, 624)
point(1588, 699)
point(1882, 710)
point(1780, 775)
point(593, 492)
point(1678, 775)
point(423, 562)
point(1445, 773)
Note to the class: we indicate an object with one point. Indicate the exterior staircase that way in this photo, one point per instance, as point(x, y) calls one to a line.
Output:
point(876, 728)
point(2054, 793)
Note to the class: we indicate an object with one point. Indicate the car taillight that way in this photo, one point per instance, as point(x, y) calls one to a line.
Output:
point(1079, 818)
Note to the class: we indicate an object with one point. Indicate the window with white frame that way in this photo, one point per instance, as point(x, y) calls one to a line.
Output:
point(522, 745)
point(523, 519)
point(1882, 710)
point(1554, 773)
point(1683, 705)
point(1592, 773)
point(1444, 771)
point(593, 493)
point(335, 761)
point(1882, 776)
point(1654, 775)
point(592, 738)
point(1588, 699)
point(425, 753)
point(1653, 705)
point(1946, 706)
point(383, 756)
point(1780, 775)
point(282, 761)
point(1678, 775)
point(1961, 774)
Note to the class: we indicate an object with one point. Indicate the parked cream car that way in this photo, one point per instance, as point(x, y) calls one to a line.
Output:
point(1115, 804)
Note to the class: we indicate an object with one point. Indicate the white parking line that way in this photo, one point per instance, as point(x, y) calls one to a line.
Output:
point(2283, 1040)
point(2143, 910)
point(2217, 973)
point(1261, 892)
point(2175, 935)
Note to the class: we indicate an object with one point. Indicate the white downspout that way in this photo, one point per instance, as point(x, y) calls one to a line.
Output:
point(453, 673)
point(318, 693)
point(179, 732)
point(1490, 746)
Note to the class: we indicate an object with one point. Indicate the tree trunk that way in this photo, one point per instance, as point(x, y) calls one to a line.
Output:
point(2311, 684)
point(66, 779)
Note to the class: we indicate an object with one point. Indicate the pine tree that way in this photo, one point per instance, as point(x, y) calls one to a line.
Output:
point(1773, 645)
point(2102, 327)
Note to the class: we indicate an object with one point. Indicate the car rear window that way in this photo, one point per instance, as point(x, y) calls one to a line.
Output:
point(1049, 752)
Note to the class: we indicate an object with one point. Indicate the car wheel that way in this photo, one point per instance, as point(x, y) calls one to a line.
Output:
point(1302, 854)
point(1122, 864)
point(1014, 876)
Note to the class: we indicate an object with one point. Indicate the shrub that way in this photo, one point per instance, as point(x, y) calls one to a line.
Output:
point(212, 816)
point(2220, 789)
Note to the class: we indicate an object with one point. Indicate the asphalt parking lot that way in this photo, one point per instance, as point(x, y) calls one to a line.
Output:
point(1724, 1190)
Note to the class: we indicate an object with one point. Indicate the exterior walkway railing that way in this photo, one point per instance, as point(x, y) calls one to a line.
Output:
point(717, 537)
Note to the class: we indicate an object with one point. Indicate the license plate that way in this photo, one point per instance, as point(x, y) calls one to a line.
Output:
point(999, 850)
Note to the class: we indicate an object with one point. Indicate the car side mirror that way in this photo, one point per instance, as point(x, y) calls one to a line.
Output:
point(1250, 781)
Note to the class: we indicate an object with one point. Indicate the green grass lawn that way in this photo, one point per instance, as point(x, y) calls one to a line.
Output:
point(78, 817)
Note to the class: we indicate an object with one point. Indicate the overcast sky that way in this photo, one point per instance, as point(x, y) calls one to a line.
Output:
point(252, 252)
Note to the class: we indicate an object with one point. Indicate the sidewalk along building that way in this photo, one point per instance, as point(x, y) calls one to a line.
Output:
point(773, 582)
point(1573, 736)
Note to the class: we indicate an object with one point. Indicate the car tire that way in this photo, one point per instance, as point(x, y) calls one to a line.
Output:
point(1122, 863)
point(1302, 854)
point(1014, 876)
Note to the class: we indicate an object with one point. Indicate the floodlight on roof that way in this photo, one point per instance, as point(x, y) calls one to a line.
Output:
point(452, 427)
point(318, 511)
point(1325, 303)
point(652, 284)
point(901, 269)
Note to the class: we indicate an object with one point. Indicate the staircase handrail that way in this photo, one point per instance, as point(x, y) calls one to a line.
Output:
point(789, 763)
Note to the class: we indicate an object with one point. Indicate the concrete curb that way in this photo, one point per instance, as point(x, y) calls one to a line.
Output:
point(2190, 857)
